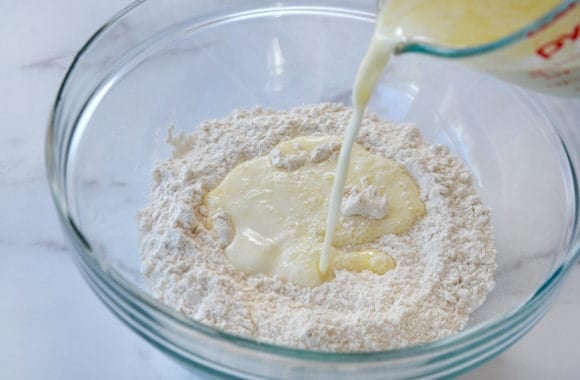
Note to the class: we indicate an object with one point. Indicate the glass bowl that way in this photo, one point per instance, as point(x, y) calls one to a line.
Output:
point(179, 62)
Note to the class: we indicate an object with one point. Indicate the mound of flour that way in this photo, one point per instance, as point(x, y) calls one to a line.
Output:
point(445, 263)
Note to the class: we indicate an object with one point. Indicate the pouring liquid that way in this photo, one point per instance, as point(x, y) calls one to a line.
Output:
point(460, 24)
point(369, 73)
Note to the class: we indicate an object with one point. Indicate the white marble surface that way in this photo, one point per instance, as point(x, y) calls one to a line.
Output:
point(51, 324)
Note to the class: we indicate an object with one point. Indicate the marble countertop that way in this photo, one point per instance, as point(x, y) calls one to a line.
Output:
point(52, 326)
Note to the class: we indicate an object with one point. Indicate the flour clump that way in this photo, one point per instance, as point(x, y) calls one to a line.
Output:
point(365, 202)
point(287, 161)
point(324, 151)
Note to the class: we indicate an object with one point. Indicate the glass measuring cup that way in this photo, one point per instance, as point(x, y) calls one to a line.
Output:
point(543, 55)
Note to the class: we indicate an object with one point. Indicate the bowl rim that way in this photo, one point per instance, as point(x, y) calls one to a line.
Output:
point(468, 336)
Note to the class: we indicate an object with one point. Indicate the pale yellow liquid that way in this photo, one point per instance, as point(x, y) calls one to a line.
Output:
point(283, 224)
point(369, 73)
point(455, 23)
point(547, 59)
point(458, 23)
point(279, 214)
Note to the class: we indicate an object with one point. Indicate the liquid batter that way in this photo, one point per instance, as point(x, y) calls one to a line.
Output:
point(276, 206)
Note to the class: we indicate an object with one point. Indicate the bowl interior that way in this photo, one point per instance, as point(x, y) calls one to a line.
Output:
point(284, 58)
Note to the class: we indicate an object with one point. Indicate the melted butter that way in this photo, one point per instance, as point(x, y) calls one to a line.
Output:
point(371, 259)
point(279, 214)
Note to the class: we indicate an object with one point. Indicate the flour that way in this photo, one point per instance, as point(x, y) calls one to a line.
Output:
point(324, 151)
point(444, 264)
point(287, 161)
point(365, 202)
point(223, 228)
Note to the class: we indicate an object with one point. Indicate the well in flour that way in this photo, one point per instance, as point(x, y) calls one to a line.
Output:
point(444, 264)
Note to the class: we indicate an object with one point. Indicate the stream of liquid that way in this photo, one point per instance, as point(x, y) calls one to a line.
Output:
point(453, 23)
point(272, 215)
point(369, 73)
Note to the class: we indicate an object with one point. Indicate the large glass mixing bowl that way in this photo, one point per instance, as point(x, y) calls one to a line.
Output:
point(179, 62)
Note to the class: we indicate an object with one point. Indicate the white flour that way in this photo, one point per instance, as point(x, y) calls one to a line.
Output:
point(445, 263)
